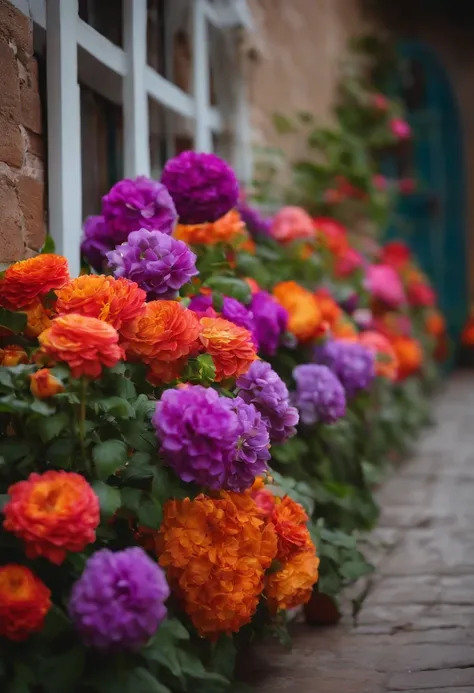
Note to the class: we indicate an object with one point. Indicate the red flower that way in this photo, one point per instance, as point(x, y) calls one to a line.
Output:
point(24, 602)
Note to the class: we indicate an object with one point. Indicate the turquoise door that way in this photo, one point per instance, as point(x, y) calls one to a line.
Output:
point(432, 220)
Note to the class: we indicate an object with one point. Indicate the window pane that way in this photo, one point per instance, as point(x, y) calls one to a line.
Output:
point(169, 40)
point(101, 148)
point(170, 134)
point(105, 16)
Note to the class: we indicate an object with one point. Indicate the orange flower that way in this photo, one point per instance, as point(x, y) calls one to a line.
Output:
point(13, 355)
point(165, 332)
point(345, 329)
point(227, 229)
point(53, 513)
point(24, 602)
point(215, 552)
point(85, 344)
point(248, 246)
point(115, 301)
point(44, 384)
point(386, 362)
point(230, 346)
point(164, 372)
point(467, 336)
point(290, 224)
point(409, 354)
point(304, 313)
point(25, 281)
point(435, 324)
point(330, 311)
point(292, 585)
point(38, 317)
point(289, 519)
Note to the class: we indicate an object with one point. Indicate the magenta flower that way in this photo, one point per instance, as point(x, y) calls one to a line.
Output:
point(400, 128)
point(203, 186)
point(385, 285)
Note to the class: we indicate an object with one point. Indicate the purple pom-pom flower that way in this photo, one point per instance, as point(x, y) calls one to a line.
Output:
point(119, 600)
point(352, 363)
point(256, 224)
point(135, 204)
point(270, 321)
point(252, 453)
point(319, 395)
point(97, 242)
point(264, 388)
point(203, 186)
point(158, 263)
point(232, 310)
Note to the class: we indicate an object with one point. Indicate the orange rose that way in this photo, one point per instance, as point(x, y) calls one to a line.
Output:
point(85, 344)
point(24, 602)
point(435, 324)
point(53, 513)
point(289, 519)
point(345, 329)
point(330, 311)
point(231, 347)
point(290, 224)
point(44, 384)
point(13, 355)
point(292, 585)
point(215, 552)
point(303, 310)
point(228, 229)
point(409, 354)
point(115, 301)
point(386, 362)
point(38, 319)
point(25, 281)
point(165, 332)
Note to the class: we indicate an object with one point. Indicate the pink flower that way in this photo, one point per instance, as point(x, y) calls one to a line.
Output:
point(380, 102)
point(400, 128)
point(347, 263)
point(384, 284)
point(379, 182)
point(291, 223)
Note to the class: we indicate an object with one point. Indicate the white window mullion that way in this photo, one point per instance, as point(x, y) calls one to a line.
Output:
point(64, 131)
point(135, 98)
point(202, 133)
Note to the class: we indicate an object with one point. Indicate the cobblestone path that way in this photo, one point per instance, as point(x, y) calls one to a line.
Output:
point(415, 631)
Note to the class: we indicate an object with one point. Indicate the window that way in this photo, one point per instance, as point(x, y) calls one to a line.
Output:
point(130, 83)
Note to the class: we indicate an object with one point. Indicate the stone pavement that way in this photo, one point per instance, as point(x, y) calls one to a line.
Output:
point(415, 631)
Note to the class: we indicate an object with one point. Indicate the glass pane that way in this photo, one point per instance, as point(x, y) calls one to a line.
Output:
point(170, 134)
point(169, 41)
point(105, 16)
point(101, 148)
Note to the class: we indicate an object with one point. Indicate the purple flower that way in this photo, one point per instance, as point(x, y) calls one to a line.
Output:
point(253, 220)
point(203, 186)
point(141, 203)
point(119, 600)
point(264, 388)
point(270, 320)
point(319, 394)
point(351, 362)
point(253, 445)
point(97, 241)
point(159, 264)
point(232, 310)
point(350, 303)
point(213, 441)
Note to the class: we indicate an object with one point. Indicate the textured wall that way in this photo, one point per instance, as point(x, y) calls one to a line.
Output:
point(293, 61)
point(22, 228)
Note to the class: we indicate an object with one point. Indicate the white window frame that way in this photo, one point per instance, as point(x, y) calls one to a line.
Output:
point(66, 33)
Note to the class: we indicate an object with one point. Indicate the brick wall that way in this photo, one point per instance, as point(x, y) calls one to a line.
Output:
point(22, 224)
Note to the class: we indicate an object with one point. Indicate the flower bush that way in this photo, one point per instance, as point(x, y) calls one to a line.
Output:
point(189, 438)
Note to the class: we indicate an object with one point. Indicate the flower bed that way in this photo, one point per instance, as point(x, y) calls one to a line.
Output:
point(191, 431)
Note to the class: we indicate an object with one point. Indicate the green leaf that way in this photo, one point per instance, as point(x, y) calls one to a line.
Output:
point(62, 672)
point(14, 449)
point(117, 406)
point(150, 512)
point(50, 427)
point(223, 656)
point(282, 124)
point(229, 286)
point(193, 667)
point(40, 407)
point(15, 322)
point(6, 380)
point(49, 245)
point(4, 498)
point(56, 623)
point(109, 498)
point(109, 456)
point(129, 680)
point(131, 498)
point(60, 452)
point(138, 467)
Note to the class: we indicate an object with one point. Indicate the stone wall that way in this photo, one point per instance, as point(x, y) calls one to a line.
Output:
point(22, 223)
point(293, 59)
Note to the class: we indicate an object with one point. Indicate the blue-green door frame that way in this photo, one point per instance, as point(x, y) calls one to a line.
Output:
point(433, 220)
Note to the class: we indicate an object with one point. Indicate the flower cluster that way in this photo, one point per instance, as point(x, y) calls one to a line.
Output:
point(351, 362)
point(319, 394)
